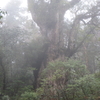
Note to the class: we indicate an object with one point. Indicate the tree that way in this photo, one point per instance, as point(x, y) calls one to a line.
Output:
point(3, 74)
point(14, 38)
point(2, 13)
point(63, 36)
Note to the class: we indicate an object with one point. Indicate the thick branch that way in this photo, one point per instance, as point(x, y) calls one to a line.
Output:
point(80, 44)
point(70, 5)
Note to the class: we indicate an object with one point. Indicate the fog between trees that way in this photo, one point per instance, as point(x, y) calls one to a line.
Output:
point(50, 50)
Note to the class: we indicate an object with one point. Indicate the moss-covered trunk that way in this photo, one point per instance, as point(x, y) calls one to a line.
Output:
point(49, 16)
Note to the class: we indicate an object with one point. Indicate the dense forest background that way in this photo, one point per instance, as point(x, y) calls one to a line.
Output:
point(50, 50)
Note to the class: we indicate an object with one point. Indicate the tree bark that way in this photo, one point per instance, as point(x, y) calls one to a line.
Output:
point(4, 75)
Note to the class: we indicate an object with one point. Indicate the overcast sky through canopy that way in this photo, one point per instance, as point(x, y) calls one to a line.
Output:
point(3, 3)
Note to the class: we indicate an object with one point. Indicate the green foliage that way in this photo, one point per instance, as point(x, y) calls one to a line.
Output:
point(71, 69)
point(2, 13)
point(69, 80)
point(14, 87)
point(97, 75)
point(29, 96)
point(86, 87)
point(64, 80)
point(5, 97)
point(16, 95)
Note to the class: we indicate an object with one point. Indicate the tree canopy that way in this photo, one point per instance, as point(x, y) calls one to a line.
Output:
point(53, 55)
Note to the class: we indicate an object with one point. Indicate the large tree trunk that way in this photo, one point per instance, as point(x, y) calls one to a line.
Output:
point(40, 61)
point(50, 24)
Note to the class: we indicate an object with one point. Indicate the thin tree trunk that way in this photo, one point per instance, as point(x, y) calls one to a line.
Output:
point(4, 76)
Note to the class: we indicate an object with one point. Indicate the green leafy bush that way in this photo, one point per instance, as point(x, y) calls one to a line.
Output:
point(86, 87)
point(5, 97)
point(61, 73)
point(29, 96)
point(69, 80)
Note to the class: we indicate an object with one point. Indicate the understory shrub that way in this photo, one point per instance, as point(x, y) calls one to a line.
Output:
point(29, 96)
point(69, 80)
point(64, 80)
